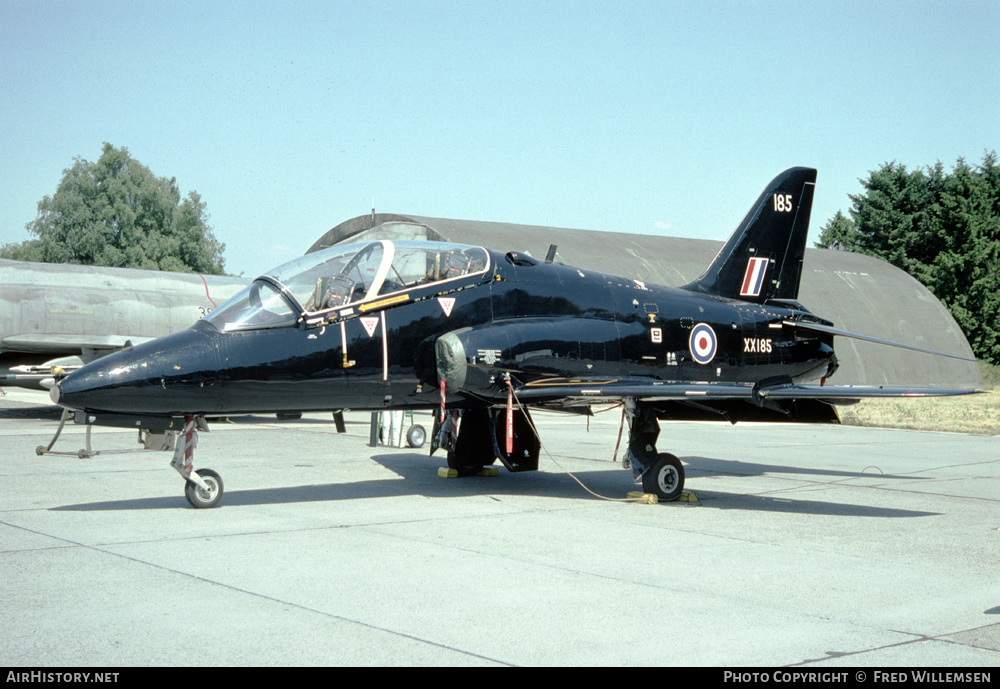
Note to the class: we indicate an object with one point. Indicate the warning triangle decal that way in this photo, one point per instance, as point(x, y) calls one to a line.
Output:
point(370, 323)
point(447, 304)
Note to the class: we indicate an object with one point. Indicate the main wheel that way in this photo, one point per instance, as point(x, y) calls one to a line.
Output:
point(416, 436)
point(474, 448)
point(198, 496)
point(665, 478)
point(464, 465)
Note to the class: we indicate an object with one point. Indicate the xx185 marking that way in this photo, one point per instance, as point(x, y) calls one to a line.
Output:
point(757, 345)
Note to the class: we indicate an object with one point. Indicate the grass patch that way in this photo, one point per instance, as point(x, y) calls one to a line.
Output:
point(991, 374)
point(978, 414)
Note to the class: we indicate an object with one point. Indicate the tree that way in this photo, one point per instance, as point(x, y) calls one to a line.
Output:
point(943, 229)
point(115, 212)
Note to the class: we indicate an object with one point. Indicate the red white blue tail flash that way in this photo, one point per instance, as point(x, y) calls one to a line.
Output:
point(753, 280)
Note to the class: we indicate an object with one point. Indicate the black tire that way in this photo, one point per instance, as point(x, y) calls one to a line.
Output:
point(201, 498)
point(463, 466)
point(416, 436)
point(665, 478)
point(474, 448)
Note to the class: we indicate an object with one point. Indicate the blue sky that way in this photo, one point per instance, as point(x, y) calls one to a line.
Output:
point(650, 117)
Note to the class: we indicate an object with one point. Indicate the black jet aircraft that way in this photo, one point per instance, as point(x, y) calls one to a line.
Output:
point(483, 336)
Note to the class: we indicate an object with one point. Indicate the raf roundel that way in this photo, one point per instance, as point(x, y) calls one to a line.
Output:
point(702, 343)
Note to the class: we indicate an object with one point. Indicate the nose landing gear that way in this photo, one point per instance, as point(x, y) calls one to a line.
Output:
point(202, 488)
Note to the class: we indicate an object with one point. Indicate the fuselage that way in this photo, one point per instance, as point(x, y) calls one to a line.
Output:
point(307, 338)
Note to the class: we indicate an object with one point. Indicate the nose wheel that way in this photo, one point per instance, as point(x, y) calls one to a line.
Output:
point(208, 496)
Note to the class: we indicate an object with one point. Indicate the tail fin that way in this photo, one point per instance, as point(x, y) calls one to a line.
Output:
point(763, 258)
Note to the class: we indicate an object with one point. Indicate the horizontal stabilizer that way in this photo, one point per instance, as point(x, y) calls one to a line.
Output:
point(836, 393)
point(805, 325)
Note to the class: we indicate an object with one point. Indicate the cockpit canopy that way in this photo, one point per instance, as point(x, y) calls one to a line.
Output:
point(343, 275)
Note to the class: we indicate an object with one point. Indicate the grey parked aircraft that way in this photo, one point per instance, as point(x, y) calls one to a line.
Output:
point(55, 316)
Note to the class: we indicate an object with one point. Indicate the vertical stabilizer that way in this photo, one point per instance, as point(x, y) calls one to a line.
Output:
point(763, 258)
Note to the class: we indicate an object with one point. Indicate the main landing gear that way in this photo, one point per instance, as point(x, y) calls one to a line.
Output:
point(475, 438)
point(485, 435)
point(202, 488)
point(662, 473)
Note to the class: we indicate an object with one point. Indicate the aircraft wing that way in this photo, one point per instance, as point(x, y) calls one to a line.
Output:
point(582, 392)
point(64, 343)
point(22, 367)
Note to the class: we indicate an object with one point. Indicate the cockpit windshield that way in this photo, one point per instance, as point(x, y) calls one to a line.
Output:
point(258, 305)
point(345, 275)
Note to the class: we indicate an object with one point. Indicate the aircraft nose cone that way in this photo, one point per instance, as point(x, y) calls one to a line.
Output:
point(163, 377)
point(93, 386)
